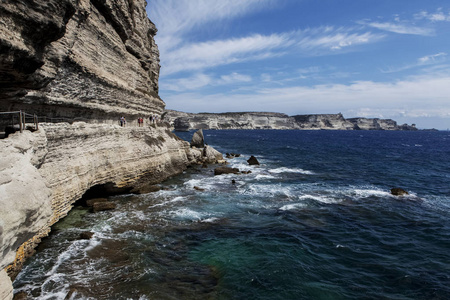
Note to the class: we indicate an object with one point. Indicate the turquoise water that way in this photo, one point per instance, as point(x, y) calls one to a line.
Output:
point(314, 221)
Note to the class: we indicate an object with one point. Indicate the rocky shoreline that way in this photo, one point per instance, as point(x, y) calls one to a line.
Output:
point(182, 121)
point(43, 174)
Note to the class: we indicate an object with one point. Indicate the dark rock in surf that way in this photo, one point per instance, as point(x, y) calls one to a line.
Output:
point(145, 189)
point(253, 161)
point(398, 192)
point(102, 206)
point(86, 235)
point(225, 170)
point(91, 202)
point(199, 189)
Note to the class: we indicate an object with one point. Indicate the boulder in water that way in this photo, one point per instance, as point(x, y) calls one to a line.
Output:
point(253, 161)
point(86, 235)
point(198, 140)
point(101, 206)
point(199, 189)
point(398, 192)
point(225, 170)
point(211, 155)
point(145, 189)
point(91, 202)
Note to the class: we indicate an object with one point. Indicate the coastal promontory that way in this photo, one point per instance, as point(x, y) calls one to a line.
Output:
point(182, 121)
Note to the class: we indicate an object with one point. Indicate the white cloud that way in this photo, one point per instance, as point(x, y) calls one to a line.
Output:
point(418, 96)
point(201, 80)
point(401, 28)
point(215, 53)
point(234, 78)
point(174, 18)
point(421, 62)
point(432, 58)
point(204, 55)
point(438, 16)
point(335, 39)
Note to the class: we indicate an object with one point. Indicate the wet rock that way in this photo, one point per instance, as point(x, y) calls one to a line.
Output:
point(145, 189)
point(253, 161)
point(211, 155)
point(91, 202)
point(205, 166)
point(86, 235)
point(246, 172)
point(199, 189)
point(233, 181)
point(21, 296)
point(102, 206)
point(198, 139)
point(398, 192)
point(71, 293)
point(225, 170)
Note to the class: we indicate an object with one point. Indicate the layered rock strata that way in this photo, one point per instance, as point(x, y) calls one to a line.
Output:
point(245, 120)
point(42, 175)
point(94, 59)
point(252, 120)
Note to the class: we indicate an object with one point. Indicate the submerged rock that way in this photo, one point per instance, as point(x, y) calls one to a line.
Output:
point(398, 192)
point(91, 202)
point(253, 161)
point(102, 206)
point(86, 235)
point(225, 170)
point(145, 189)
point(199, 189)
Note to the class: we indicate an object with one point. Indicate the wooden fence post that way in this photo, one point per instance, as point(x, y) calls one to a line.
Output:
point(20, 122)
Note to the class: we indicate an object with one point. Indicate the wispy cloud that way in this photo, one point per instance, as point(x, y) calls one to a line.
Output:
point(204, 55)
point(426, 96)
point(215, 53)
point(176, 17)
point(401, 28)
point(420, 62)
point(438, 16)
point(335, 38)
point(201, 80)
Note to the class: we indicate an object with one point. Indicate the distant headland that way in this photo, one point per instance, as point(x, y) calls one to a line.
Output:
point(182, 121)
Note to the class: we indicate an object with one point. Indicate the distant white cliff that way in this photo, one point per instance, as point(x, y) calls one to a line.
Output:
point(182, 121)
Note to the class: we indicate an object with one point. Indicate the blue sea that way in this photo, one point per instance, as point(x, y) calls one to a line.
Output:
point(315, 220)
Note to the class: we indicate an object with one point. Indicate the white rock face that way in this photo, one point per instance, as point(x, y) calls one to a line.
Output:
point(25, 199)
point(263, 120)
point(247, 120)
point(43, 173)
point(6, 289)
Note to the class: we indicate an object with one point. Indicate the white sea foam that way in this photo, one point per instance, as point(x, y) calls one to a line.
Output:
point(291, 170)
point(186, 213)
point(176, 199)
point(293, 206)
point(209, 220)
point(364, 193)
point(264, 176)
point(320, 198)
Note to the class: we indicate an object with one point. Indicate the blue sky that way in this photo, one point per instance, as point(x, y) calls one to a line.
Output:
point(363, 58)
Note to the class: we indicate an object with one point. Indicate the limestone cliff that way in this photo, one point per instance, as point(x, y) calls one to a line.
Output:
point(90, 59)
point(94, 59)
point(244, 120)
point(323, 121)
point(265, 120)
